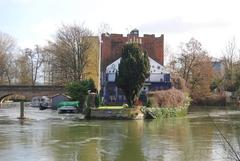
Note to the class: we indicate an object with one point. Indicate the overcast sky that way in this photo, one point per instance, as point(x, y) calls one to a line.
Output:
point(212, 22)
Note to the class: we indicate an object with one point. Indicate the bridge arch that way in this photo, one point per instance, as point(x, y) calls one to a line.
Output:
point(15, 97)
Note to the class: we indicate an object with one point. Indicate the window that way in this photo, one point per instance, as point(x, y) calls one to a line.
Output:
point(120, 97)
point(112, 98)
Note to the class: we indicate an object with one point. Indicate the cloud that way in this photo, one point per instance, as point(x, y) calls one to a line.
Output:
point(178, 25)
point(20, 1)
point(38, 33)
point(44, 27)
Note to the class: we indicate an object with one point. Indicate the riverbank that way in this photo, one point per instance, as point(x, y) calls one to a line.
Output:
point(117, 112)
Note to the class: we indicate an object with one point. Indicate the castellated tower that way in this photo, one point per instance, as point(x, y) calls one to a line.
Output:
point(112, 44)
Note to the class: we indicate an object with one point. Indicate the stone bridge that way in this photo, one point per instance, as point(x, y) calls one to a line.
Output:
point(30, 91)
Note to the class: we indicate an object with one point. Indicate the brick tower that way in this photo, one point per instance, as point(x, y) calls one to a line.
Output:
point(112, 45)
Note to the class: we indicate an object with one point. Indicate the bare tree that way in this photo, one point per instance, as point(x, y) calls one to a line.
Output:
point(23, 70)
point(70, 52)
point(230, 59)
point(35, 60)
point(202, 76)
point(170, 58)
point(7, 47)
point(28, 65)
point(188, 57)
point(230, 54)
point(195, 67)
point(11, 70)
point(48, 65)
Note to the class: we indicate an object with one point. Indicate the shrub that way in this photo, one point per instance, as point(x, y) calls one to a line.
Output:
point(78, 90)
point(167, 103)
point(167, 98)
point(97, 101)
point(178, 82)
point(167, 112)
point(212, 100)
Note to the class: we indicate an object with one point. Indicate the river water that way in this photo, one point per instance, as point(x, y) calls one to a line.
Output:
point(48, 136)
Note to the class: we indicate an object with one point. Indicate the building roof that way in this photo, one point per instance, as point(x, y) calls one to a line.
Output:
point(60, 94)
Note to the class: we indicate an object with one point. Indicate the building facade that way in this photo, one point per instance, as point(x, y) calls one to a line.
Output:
point(111, 49)
point(112, 44)
point(218, 68)
point(92, 69)
point(159, 79)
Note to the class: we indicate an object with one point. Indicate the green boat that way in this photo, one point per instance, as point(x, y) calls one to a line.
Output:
point(68, 103)
point(68, 107)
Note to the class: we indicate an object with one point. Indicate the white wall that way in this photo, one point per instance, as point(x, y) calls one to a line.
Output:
point(157, 71)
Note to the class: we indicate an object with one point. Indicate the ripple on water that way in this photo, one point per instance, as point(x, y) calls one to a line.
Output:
point(5, 120)
point(87, 140)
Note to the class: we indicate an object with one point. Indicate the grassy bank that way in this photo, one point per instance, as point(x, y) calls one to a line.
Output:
point(168, 103)
point(110, 107)
point(167, 112)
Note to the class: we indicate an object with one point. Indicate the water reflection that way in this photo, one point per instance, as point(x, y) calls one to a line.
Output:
point(131, 145)
point(192, 138)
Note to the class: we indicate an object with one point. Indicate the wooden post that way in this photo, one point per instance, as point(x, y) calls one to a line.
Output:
point(21, 110)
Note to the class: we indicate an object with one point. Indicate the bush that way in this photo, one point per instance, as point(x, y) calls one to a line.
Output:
point(78, 91)
point(167, 98)
point(167, 112)
point(97, 100)
point(178, 82)
point(213, 100)
point(167, 103)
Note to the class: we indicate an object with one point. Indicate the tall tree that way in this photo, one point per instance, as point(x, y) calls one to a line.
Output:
point(7, 47)
point(202, 77)
point(11, 70)
point(188, 57)
point(35, 60)
point(195, 68)
point(69, 52)
point(48, 66)
point(133, 70)
point(24, 78)
point(230, 60)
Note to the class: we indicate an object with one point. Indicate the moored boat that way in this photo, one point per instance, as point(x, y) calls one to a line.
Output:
point(67, 109)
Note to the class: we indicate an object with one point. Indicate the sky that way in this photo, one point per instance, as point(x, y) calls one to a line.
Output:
point(211, 22)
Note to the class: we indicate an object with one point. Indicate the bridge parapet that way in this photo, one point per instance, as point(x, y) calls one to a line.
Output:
point(30, 91)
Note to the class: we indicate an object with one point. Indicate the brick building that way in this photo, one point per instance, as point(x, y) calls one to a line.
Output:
point(111, 49)
point(112, 45)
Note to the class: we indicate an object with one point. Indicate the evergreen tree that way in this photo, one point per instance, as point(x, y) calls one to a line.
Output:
point(133, 70)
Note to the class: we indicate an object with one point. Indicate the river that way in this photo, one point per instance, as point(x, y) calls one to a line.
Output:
point(48, 136)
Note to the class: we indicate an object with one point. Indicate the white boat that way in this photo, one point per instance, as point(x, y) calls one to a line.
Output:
point(42, 102)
